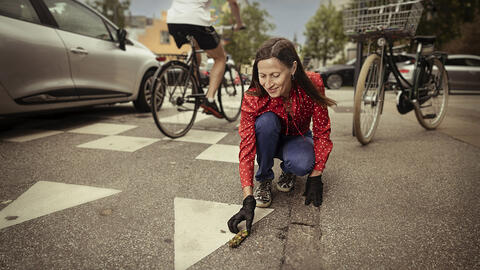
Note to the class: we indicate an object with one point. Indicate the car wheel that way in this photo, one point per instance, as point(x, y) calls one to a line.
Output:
point(334, 81)
point(142, 104)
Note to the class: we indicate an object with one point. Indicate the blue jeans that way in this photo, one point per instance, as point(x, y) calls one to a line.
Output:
point(296, 152)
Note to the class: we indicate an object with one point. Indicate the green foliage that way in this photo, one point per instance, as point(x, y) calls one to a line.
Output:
point(469, 40)
point(114, 10)
point(244, 44)
point(444, 19)
point(324, 34)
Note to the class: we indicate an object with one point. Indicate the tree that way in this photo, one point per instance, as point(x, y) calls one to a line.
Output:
point(244, 44)
point(468, 41)
point(324, 34)
point(114, 10)
point(444, 19)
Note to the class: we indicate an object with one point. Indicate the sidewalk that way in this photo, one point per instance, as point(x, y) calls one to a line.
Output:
point(407, 200)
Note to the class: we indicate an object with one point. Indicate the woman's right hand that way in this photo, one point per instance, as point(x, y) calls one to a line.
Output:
point(246, 213)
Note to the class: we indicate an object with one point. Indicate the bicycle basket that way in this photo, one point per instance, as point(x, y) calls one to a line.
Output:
point(372, 17)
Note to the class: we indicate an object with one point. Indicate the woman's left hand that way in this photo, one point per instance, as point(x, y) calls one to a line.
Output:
point(314, 190)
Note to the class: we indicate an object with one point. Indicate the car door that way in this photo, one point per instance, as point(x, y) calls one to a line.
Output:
point(474, 73)
point(459, 73)
point(95, 59)
point(34, 66)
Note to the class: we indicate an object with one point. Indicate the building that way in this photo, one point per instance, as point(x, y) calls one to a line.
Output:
point(153, 33)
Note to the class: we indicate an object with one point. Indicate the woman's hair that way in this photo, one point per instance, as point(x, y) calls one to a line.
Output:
point(284, 50)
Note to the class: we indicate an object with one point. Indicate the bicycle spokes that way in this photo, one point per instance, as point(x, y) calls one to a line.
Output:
point(432, 98)
point(176, 114)
point(368, 99)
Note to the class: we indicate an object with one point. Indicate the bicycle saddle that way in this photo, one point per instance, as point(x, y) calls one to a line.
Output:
point(425, 39)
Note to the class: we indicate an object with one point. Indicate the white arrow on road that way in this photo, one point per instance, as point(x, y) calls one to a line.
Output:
point(45, 197)
point(201, 228)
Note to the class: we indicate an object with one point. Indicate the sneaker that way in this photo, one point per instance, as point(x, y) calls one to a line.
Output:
point(286, 182)
point(263, 193)
point(211, 108)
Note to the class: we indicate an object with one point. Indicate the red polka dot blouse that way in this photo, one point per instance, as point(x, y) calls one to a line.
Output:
point(303, 109)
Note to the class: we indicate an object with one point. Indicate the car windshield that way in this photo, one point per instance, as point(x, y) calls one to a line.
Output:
point(351, 62)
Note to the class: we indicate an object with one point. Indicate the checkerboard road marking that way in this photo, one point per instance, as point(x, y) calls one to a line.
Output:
point(178, 119)
point(201, 136)
point(221, 152)
point(103, 129)
point(119, 143)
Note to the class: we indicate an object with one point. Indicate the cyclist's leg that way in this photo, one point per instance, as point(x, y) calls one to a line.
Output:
point(216, 74)
point(209, 40)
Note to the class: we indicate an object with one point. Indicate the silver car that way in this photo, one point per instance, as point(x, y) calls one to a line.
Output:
point(58, 54)
point(463, 72)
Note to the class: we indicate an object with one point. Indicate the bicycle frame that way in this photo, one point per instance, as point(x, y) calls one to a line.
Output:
point(419, 66)
point(194, 70)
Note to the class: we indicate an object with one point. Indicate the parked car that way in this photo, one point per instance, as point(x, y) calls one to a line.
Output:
point(337, 76)
point(58, 54)
point(463, 72)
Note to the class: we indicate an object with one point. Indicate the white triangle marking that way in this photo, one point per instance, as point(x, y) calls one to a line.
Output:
point(44, 198)
point(201, 228)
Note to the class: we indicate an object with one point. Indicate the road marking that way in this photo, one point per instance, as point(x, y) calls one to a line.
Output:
point(184, 118)
point(221, 152)
point(25, 135)
point(201, 228)
point(119, 143)
point(45, 197)
point(102, 129)
point(202, 136)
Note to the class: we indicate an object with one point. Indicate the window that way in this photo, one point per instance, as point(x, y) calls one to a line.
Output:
point(164, 37)
point(472, 62)
point(455, 62)
point(113, 32)
point(19, 9)
point(74, 17)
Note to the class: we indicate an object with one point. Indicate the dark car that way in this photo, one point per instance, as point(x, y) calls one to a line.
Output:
point(337, 76)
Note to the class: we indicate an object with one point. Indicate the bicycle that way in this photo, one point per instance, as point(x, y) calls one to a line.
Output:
point(177, 93)
point(427, 95)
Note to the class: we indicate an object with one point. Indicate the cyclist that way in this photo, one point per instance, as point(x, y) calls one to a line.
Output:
point(192, 17)
point(275, 123)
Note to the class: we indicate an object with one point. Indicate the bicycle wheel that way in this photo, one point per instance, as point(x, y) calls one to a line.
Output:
point(368, 101)
point(230, 94)
point(432, 97)
point(174, 105)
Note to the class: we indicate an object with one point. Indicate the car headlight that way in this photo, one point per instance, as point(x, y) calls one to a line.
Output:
point(321, 70)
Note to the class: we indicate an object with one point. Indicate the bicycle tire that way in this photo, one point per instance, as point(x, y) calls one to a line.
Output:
point(174, 104)
point(432, 97)
point(230, 94)
point(368, 99)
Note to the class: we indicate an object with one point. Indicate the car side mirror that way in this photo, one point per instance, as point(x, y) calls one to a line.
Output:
point(122, 38)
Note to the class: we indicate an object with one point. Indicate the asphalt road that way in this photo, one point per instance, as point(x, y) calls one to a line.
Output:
point(408, 200)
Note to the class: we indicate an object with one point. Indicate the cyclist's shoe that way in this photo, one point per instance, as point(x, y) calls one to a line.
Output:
point(211, 108)
point(263, 194)
point(286, 182)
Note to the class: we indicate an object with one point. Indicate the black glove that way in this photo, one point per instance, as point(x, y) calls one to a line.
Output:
point(313, 190)
point(245, 213)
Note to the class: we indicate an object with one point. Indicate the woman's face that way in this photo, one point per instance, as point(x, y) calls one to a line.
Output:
point(275, 77)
